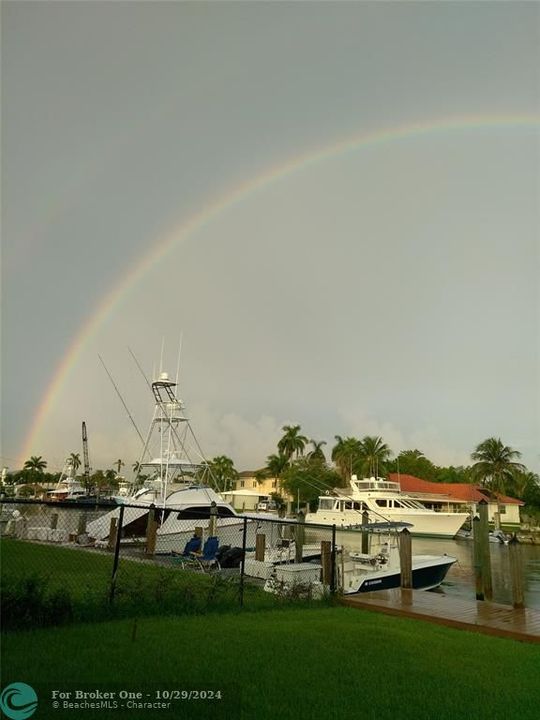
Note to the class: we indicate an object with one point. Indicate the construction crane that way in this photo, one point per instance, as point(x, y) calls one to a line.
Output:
point(85, 456)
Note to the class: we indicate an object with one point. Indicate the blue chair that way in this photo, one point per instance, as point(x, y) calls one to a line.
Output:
point(190, 552)
point(208, 559)
point(193, 545)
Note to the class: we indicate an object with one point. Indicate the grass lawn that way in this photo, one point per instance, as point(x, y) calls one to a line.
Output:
point(75, 583)
point(286, 664)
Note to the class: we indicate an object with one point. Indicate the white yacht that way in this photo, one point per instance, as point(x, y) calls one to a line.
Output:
point(383, 501)
point(68, 487)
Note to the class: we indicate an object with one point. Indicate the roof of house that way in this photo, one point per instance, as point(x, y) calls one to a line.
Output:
point(459, 491)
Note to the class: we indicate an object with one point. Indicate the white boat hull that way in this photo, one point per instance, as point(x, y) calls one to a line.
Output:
point(424, 523)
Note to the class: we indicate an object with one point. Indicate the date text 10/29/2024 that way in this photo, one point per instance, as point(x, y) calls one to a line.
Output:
point(127, 695)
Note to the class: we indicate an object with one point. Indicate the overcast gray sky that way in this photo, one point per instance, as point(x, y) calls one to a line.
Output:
point(390, 288)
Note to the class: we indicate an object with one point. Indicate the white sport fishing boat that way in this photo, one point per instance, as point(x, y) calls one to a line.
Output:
point(172, 468)
point(380, 568)
point(383, 501)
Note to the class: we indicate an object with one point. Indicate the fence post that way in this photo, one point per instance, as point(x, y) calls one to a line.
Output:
point(243, 562)
point(365, 538)
point(484, 550)
point(299, 537)
point(516, 570)
point(116, 553)
point(405, 558)
point(54, 521)
point(478, 578)
point(333, 572)
point(326, 561)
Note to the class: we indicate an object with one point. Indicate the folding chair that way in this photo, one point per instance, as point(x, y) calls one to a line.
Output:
point(189, 555)
point(208, 560)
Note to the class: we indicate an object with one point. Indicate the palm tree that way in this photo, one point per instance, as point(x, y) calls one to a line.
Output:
point(36, 465)
point(223, 472)
point(75, 461)
point(292, 443)
point(345, 454)
point(275, 467)
point(317, 454)
point(373, 456)
point(495, 464)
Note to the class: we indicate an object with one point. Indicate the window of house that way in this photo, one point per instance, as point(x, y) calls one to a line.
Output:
point(254, 483)
point(242, 483)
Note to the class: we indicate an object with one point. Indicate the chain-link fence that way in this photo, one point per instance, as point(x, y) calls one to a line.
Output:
point(63, 561)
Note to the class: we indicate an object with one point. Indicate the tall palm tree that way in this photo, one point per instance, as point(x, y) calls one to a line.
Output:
point(495, 464)
point(292, 442)
point(317, 454)
point(373, 456)
point(345, 455)
point(36, 465)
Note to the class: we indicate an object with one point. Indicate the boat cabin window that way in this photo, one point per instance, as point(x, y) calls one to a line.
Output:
point(196, 513)
point(326, 503)
point(381, 503)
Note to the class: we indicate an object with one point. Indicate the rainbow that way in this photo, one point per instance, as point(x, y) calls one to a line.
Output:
point(227, 200)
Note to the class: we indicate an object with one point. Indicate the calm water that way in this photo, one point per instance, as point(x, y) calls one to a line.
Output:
point(460, 578)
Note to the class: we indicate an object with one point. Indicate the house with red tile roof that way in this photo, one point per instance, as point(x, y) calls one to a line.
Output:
point(460, 497)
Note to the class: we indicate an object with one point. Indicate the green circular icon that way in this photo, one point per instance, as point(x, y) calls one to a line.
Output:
point(18, 701)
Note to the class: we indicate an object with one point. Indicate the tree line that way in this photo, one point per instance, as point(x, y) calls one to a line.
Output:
point(302, 470)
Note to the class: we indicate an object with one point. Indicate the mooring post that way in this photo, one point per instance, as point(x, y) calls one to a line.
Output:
point(81, 527)
point(299, 537)
point(112, 533)
point(151, 531)
point(405, 558)
point(326, 562)
point(260, 546)
point(484, 550)
point(478, 576)
point(516, 570)
point(212, 525)
point(365, 537)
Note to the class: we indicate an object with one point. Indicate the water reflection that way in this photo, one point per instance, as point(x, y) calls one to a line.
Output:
point(460, 578)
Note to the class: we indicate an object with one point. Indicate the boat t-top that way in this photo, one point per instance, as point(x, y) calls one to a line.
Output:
point(383, 501)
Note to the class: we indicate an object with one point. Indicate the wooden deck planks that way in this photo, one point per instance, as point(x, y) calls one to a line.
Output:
point(485, 617)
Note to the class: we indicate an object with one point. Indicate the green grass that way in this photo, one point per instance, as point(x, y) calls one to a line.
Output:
point(45, 584)
point(292, 664)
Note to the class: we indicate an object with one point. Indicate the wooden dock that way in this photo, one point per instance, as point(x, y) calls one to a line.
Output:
point(476, 616)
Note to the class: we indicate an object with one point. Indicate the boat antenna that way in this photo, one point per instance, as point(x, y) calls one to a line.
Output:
point(121, 399)
point(178, 362)
point(140, 368)
point(161, 356)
